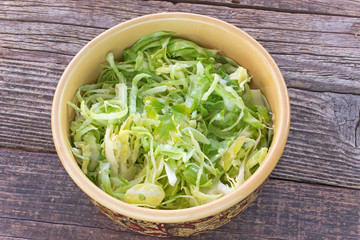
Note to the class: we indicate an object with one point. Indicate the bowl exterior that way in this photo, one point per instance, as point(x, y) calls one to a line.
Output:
point(207, 32)
point(182, 229)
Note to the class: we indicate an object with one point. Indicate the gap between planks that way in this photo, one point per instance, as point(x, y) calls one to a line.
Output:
point(237, 4)
point(280, 177)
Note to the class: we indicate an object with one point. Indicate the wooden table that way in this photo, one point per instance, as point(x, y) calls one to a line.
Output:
point(314, 192)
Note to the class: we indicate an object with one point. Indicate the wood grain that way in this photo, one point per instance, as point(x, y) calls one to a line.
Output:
point(318, 59)
point(338, 8)
point(324, 134)
point(36, 194)
point(318, 52)
point(317, 47)
point(323, 144)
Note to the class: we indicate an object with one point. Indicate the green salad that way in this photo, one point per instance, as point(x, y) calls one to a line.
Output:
point(173, 125)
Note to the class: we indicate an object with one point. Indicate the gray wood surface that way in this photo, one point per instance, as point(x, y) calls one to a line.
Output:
point(39, 201)
point(314, 191)
point(319, 7)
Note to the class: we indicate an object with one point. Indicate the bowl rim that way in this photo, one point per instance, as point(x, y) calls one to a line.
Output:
point(179, 215)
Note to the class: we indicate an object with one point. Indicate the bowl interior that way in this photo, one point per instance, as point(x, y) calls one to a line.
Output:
point(206, 32)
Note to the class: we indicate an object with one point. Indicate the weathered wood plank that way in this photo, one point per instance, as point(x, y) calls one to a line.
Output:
point(324, 49)
point(324, 140)
point(28, 229)
point(11, 238)
point(324, 136)
point(318, 50)
point(339, 8)
point(316, 53)
point(38, 200)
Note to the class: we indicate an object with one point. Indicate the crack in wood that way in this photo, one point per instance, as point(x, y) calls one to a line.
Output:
point(235, 4)
point(6, 237)
point(51, 22)
point(314, 182)
point(57, 223)
point(320, 91)
point(346, 110)
point(357, 132)
point(38, 50)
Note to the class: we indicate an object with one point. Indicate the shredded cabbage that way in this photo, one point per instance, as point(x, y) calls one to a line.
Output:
point(173, 125)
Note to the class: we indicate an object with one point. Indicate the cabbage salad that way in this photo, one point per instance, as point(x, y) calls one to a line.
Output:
point(172, 126)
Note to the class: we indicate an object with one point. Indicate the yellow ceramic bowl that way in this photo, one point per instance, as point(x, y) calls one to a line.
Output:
point(207, 32)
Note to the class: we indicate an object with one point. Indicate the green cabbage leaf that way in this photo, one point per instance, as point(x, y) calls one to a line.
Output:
point(172, 125)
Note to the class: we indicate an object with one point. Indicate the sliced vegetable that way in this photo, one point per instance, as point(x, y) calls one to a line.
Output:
point(174, 125)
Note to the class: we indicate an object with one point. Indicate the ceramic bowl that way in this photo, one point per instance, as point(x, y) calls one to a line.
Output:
point(207, 32)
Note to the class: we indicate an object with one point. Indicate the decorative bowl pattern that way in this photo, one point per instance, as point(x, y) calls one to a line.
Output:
point(183, 229)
